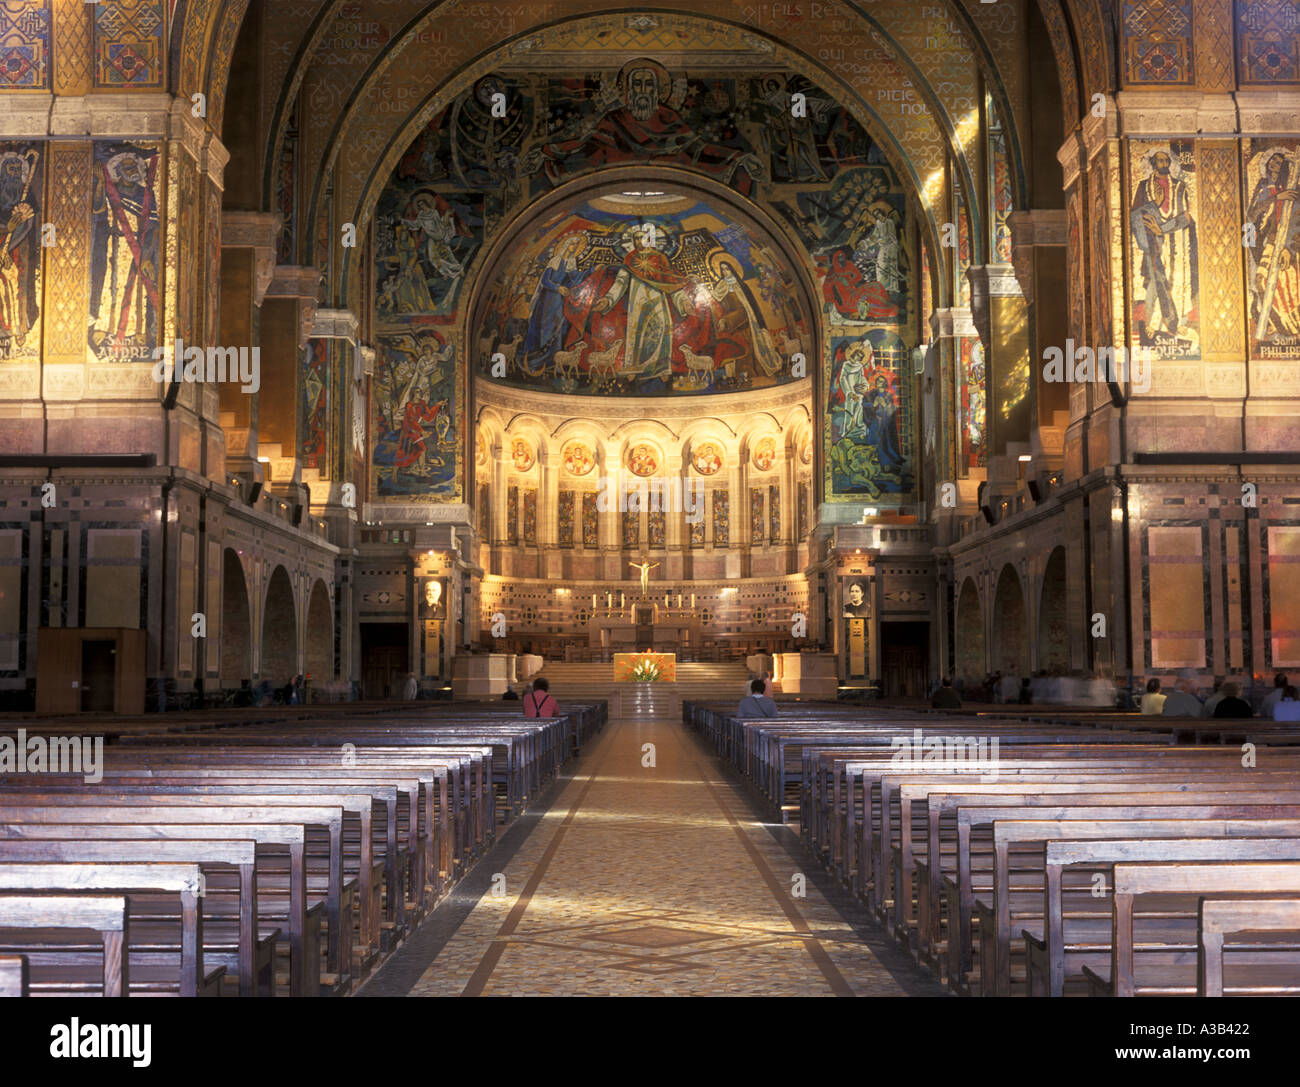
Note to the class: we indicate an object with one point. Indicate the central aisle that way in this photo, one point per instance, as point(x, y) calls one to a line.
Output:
point(652, 880)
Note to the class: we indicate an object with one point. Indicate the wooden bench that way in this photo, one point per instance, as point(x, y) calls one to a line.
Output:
point(181, 880)
point(101, 914)
point(1226, 917)
point(252, 955)
point(1168, 973)
point(13, 975)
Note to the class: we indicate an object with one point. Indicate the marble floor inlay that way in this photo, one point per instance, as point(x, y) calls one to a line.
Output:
point(649, 874)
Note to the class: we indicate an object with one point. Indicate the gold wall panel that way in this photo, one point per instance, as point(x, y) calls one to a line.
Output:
point(1222, 328)
point(66, 272)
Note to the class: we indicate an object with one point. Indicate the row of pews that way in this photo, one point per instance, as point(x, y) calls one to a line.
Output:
point(257, 852)
point(1083, 855)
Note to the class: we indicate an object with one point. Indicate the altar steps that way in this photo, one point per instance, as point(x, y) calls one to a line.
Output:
point(694, 681)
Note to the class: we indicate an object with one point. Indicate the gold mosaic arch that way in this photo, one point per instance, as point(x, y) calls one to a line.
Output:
point(914, 143)
point(938, 50)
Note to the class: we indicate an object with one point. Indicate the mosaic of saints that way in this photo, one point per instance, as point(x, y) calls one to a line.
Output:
point(640, 125)
point(124, 257)
point(1275, 256)
point(1164, 233)
point(19, 248)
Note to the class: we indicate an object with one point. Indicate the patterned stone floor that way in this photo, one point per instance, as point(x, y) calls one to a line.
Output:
point(650, 880)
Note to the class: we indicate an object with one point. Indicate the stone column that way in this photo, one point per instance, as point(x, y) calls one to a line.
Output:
point(287, 315)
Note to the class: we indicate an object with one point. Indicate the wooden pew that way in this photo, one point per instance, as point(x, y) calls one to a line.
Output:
point(305, 968)
point(102, 914)
point(1060, 940)
point(1221, 917)
point(253, 957)
point(959, 890)
point(182, 880)
point(1188, 880)
point(13, 975)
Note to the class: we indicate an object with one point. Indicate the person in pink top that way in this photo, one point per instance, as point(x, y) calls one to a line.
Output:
point(538, 702)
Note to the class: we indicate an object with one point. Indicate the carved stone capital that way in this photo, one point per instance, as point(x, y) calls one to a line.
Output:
point(334, 324)
point(1168, 111)
point(1070, 156)
point(1262, 112)
point(303, 284)
point(1030, 230)
point(258, 231)
point(947, 324)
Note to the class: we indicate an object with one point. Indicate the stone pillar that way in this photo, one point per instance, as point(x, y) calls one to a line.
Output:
point(247, 265)
point(287, 315)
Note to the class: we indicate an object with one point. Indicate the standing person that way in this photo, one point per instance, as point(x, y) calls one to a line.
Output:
point(1026, 692)
point(538, 702)
point(1233, 705)
point(1153, 702)
point(412, 689)
point(1274, 696)
point(756, 703)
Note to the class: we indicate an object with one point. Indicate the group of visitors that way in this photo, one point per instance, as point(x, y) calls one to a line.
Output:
point(1282, 703)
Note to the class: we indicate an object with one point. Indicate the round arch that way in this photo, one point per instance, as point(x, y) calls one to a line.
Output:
point(279, 630)
point(1053, 639)
point(236, 622)
point(1010, 635)
point(969, 635)
point(319, 663)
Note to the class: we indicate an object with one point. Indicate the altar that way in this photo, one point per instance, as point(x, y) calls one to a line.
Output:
point(645, 667)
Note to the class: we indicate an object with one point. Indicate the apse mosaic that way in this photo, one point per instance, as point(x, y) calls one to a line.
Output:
point(1272, 172)
point(640, 298)
point(869, 431)
point(22, 172)
point(1163, 214)
point(612, 298)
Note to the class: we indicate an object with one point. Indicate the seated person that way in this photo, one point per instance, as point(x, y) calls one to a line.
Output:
point(511, 694)
point(1153, 702)
point(1288, 707)
point(1280, 684)
point(538, 702)
point(1183, 701)
point(756, 703)
point(1232, 704)
point(945, 697)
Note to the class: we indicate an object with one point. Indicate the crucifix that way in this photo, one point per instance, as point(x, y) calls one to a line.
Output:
point(645, 568)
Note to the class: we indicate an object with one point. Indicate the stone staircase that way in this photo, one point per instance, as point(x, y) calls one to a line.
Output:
point(694, 681)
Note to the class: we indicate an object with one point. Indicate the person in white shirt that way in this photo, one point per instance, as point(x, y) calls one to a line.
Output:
point(1280, 683)
point(1153, 702)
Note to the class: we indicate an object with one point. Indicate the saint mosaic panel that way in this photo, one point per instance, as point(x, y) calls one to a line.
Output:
point(1163, 213)
point(22, 187)
point(1272, 180)
point(124, 264)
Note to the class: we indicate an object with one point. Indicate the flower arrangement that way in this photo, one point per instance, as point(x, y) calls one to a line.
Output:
point(646, 671)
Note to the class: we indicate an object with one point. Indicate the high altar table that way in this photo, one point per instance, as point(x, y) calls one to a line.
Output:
point(625, 665)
